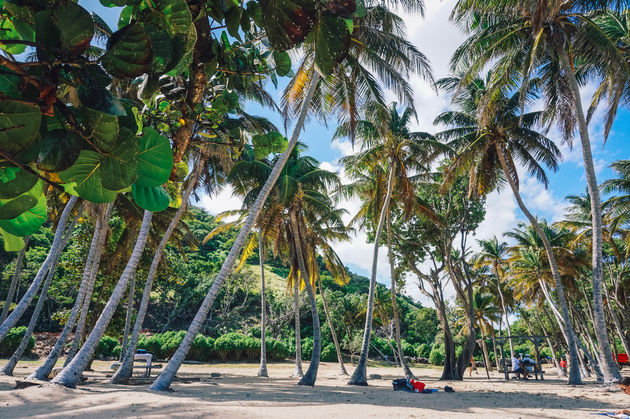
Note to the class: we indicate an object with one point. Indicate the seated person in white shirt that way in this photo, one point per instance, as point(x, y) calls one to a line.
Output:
point(516, 367)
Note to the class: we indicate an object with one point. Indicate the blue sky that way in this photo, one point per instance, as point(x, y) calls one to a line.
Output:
point(437, 38)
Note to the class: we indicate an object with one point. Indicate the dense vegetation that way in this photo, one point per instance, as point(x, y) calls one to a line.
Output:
point(107, 134)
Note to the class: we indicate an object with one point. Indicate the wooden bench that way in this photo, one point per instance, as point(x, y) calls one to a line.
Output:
point(532, 369)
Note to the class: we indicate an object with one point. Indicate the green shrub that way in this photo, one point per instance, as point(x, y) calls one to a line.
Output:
point(329, 354)
point(232, 346)
point(277, 350)
point(170, 342)
point(152, 344)
point(201, 349)
point(423, 350)
point(12, 341)
point(436, 357)
point(307, 348)
point(407, 348)
point(105, 347)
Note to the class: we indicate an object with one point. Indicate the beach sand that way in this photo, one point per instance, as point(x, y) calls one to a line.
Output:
point(238, 393)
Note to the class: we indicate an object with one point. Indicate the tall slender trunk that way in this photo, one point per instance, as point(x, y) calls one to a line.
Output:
point(359, 376)
point(86, 299)
point(496, 354)
point(262, 371)
point(14, 281)
point(609, 368)
point(163, 382)
point(71, 373)
point(92, 259)
point(617, 323)
point(298, 337)
point(311, 373)
point(504, 307)
point(17, 355)
point(561, 372)
point(486, 357)
point(55, 249)
point(574, 373)
point(123, 373)
point(130, 301)
point(392, 273)
point(331, 326)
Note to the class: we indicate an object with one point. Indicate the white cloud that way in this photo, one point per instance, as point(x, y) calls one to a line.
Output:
point(225, 200)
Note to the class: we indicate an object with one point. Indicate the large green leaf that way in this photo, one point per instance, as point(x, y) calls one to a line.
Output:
point(8, 31)
point(152, 198)
point(58, 151)
point(128, 52)
point(11, 243)
point(86, 174)
point(101, 127)
point(29, 221)
point(9, 83)
point(14, 207)
point(155, 159)
point(283, 63)
point(75, 27)
point(119, 167)
point(17, 183)
point(331, 42)
point(19, 126)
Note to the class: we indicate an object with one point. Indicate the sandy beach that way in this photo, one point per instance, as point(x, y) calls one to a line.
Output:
point(238, 393)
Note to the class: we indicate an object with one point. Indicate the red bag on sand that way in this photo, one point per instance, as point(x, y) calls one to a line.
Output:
point(418, 386)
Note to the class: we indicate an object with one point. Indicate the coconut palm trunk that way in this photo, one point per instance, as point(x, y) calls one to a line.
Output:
point(504, 307)
point(574, 373)
point(92, 260)
point(331, 326)
point(14, 281)
point(561, 372)
point(163, 382)
point(19, 351)
point(311, 373)
point(298, 338)
point(123, 373)
point(86, 299)
point(71, 373)
point(55, 249)
point(392, 272)
point(130, 301)
point(609, 368)
point(359, 376)
point(262, 371)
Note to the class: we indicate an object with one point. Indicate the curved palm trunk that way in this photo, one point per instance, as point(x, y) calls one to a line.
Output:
point(85, 300)
point(71, 373)
point(163, 382)
point(311, 373)
point(92, 259)
point(19, 351)
point(298, 337)
point(561, 372)
point(342, 367)
point(574, 374)
point(14, 281)
point(390, 255)
point(123, 373)
point(359, 376)
point(609, 368)
point(486, 357)
point(55, 249)
point(262, 371)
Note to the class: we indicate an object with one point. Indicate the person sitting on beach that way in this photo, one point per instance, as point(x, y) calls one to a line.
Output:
point(526, 362)
point(624, 384)
point(516, 368)
point(563, 365)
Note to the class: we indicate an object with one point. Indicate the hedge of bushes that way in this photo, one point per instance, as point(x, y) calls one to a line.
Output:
point(228, 347)
point(12, 341)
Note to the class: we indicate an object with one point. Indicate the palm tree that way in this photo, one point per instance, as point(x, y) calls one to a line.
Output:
point(55, 249)
point(92, 262)
point(490, 137)
point(492, 255)
point(527, 37)
point(71, 373)
point(14, 281)
point(387, 145)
